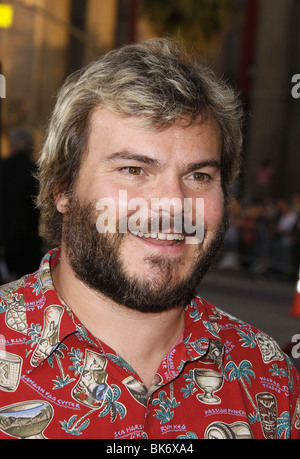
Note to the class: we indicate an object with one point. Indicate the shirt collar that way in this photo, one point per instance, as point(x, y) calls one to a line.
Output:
point(202, 339)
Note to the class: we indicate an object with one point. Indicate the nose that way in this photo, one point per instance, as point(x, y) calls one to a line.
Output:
point(168, 197)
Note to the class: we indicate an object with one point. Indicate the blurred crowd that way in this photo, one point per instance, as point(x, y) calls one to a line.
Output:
point(264, 237)
point(20, 245)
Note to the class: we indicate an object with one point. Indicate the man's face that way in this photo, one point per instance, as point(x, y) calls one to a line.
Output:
point(127, 164)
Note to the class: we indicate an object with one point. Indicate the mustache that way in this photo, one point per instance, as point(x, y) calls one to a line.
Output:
point(161, 224)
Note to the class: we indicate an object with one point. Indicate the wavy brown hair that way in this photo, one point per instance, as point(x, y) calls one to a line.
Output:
point(155, 80)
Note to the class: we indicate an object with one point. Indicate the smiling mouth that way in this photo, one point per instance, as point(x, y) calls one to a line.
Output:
point(161, 238)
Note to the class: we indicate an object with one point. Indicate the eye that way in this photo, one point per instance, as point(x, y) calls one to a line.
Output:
point(133, 170)
point(200, 177)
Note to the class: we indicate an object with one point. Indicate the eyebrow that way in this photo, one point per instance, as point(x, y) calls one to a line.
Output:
point(130, 156)
point(202, 164)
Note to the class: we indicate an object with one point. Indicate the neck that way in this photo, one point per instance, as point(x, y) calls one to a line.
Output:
point(142, 339)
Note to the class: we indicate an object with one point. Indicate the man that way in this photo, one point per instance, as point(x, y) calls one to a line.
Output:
point(108, 338)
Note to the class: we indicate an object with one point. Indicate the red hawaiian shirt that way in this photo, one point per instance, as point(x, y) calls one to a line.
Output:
point(222, 379)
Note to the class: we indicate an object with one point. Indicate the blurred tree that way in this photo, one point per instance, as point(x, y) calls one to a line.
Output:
point(192, 19)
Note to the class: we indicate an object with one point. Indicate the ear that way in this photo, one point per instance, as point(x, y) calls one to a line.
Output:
point(61, 201)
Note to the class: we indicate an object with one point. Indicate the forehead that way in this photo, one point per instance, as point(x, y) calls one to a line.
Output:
point(110, 132)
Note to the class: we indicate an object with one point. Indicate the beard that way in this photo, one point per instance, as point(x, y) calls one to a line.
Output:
point(95, 259)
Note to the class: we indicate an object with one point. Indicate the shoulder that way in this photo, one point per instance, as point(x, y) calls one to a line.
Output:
point(17, 299)
point(243, 341)
point(13, 319)
point(12, 306)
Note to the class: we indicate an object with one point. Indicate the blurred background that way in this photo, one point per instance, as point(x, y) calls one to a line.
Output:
point(254, 44)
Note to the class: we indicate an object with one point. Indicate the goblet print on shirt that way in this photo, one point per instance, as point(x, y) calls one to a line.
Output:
point(10, 370)
point(26, 419)
point(209, 381)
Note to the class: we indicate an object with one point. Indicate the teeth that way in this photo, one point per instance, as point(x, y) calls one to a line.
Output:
point(161, 236)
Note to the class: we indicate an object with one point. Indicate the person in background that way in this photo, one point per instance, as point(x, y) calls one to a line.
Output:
point(20, 241)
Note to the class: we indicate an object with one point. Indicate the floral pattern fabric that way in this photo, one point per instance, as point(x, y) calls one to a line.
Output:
point(222, 379)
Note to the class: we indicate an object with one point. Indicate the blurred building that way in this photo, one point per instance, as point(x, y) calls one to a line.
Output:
point(45, 43)
point(273, 133)
point(255, 44)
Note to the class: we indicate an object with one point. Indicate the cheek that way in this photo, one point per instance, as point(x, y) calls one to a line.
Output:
point(92, 184)
point(114, 212)
point(213, 210)
point(128, 205)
